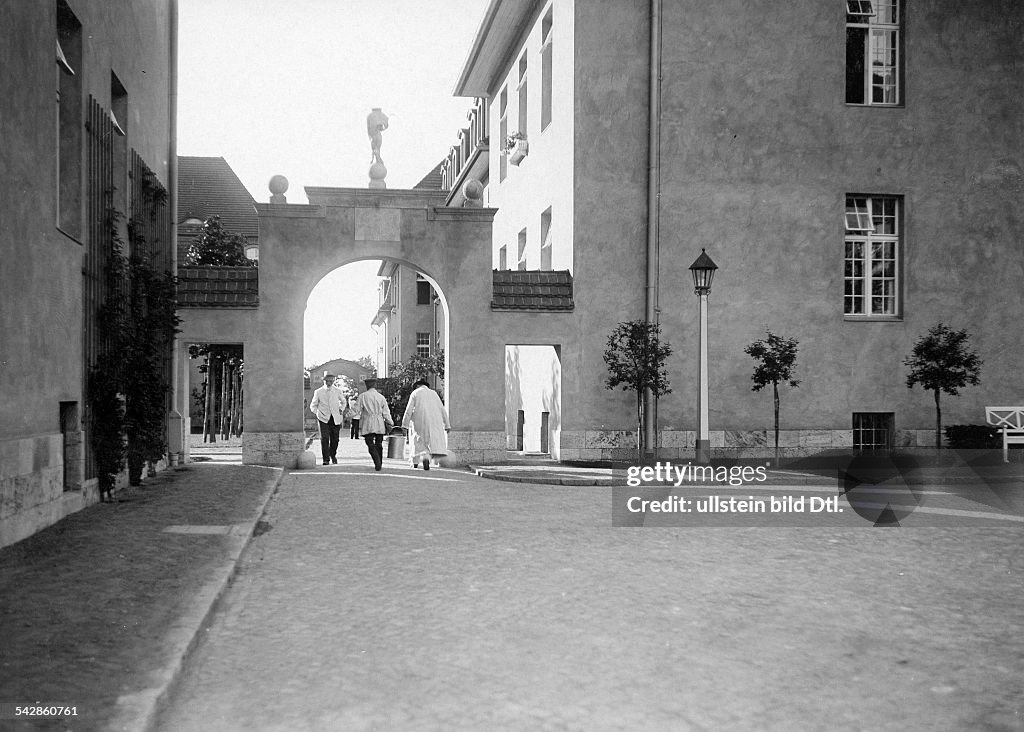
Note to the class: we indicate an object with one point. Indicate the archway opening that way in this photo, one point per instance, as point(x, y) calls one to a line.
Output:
point(374, 317)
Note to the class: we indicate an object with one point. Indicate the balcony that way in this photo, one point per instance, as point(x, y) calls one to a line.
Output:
point(468, 158)
point(387, 303)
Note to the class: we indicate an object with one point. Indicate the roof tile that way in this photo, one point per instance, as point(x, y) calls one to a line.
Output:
point(532, 290)
point(218, 287)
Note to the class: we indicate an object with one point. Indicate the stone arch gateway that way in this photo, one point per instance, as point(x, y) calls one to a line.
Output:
point(299, 244)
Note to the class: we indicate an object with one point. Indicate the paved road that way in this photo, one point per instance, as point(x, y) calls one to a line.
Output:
point(442, 601)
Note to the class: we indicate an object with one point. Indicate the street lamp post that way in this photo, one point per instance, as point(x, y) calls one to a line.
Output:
point(703, 270)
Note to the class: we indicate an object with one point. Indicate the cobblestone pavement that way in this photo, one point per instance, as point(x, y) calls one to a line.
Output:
point(97, 611)
point(443, 601)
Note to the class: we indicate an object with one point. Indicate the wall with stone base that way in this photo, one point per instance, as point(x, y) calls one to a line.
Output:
point(470, 448)
point(32, 494)
point(593, 445)
point(277, 449)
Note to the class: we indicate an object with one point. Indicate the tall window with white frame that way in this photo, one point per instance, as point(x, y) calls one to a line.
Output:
point(422, 343)
point(503, 257)
point(503, 131)
point(545, 70)
point(545, 240)
point(874, 52)
point(871, 271)
point(521, 262)
point(524, 97)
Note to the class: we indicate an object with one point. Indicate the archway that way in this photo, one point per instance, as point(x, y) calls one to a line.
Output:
point(384, 314)
point(300, 244)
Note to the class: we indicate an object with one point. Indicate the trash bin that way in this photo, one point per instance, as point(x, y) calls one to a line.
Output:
point(396, 444)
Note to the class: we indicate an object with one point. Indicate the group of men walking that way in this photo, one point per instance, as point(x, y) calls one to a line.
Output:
point(425, 420)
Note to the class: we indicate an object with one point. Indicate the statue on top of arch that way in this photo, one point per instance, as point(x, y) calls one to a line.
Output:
point(376, 123)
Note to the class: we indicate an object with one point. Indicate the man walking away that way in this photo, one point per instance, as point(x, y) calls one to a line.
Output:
point(374, 421)
point(428, 425)
point(352, 412)
point(326, 405)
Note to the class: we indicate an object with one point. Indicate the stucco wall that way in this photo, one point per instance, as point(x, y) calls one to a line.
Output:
point(610, 181)
point(759, 151)
point(41, 280)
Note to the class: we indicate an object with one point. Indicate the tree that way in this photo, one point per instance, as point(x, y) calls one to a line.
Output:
point(942, 362)
point(397, 388)
point(776, 359)
point(215, 246)
point(635, 356)
point(367, 363)
point(222, 396)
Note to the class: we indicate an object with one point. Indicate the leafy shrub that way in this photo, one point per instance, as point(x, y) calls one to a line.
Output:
point(973, 437)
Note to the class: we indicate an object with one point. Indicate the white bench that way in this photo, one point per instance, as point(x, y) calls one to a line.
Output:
point(1010, 420)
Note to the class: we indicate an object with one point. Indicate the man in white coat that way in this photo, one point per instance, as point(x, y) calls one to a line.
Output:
point(374, 421)
point(328, 406)
point(428, 426)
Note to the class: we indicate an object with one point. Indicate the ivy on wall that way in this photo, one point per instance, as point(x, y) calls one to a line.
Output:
point(128, 385)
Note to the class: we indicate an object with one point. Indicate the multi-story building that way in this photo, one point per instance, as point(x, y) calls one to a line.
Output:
point(854, 167)
point(410, 319)
point(88, 131)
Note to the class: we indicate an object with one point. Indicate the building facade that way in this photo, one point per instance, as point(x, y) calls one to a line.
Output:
point(854, 168)
point(88, 130)
point(410, 318)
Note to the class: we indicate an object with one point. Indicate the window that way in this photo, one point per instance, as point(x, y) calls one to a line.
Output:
point(523, 96)
point(545, 71)
point(521, 262)
point(502, 132)
point(69, 122)
point(424, 292)
point(871, 261)
point(859, 8)
point(873, 431)
point(873, 58)
point(545, 240)
point(503, 257)
point(422, 344)
point(119, 123)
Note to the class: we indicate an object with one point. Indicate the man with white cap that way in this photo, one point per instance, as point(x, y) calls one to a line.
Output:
point(327, 404)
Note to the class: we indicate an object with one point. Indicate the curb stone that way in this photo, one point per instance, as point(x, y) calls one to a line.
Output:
point(140, 710)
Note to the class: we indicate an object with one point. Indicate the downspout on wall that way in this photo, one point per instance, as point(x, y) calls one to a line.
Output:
point(177, 442)
point(651, 309)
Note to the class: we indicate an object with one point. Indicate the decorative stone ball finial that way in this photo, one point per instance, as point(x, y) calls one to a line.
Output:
point(278, 185)
point(473, 190)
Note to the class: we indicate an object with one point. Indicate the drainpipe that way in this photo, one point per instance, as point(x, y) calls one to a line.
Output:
point(651, 310)
point(177, 444)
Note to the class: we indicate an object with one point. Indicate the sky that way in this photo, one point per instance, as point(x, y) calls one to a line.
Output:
point(284, 87)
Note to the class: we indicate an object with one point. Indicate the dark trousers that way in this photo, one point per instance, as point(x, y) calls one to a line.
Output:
point(329, 434)
point(355, 429)
point(375, 446)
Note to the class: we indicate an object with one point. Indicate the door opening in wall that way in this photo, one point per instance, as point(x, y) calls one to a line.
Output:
point(533, 383)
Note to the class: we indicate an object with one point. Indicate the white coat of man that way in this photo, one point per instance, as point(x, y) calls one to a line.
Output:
point(428, 425)
point(374, 421)
point(328, 406)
